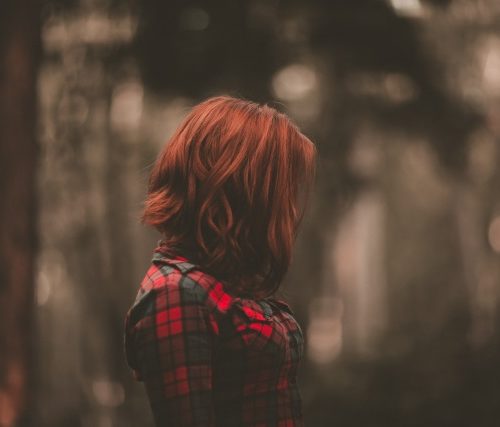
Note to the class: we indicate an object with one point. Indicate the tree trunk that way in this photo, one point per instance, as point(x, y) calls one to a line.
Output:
point(19, 54)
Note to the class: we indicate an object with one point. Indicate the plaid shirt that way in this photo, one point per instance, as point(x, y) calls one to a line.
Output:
point(208, 358)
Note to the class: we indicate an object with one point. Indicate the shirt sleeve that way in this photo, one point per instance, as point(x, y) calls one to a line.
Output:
point(171, 342)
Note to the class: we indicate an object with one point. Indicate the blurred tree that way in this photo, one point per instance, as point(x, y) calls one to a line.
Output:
point(194, 48)
point(19, 57)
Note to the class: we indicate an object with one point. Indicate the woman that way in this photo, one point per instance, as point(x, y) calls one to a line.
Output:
point(205, 334)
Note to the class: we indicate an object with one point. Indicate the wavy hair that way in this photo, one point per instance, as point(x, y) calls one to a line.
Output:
point(228, 191)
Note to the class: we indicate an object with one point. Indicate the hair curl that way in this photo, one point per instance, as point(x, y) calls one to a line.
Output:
point(228, 191)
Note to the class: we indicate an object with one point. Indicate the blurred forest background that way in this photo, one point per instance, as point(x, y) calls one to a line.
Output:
point(396, 274)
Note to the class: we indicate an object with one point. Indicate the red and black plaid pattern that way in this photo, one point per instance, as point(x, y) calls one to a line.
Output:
point(208, 358)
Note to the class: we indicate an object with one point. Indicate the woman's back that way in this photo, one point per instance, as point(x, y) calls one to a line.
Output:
point(208, 358)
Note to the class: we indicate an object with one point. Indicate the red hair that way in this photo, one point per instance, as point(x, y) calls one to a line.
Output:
point(226, 192)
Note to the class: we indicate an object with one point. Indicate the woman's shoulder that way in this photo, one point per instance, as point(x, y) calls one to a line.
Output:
point(176, 273)
point(175, 284)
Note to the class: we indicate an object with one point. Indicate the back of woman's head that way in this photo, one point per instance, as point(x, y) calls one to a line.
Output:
point(227, 190)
